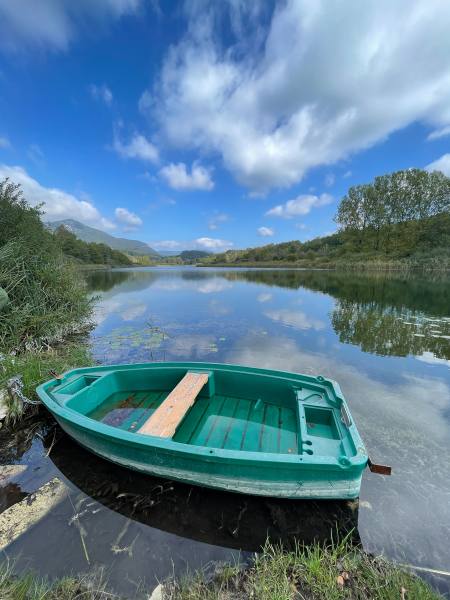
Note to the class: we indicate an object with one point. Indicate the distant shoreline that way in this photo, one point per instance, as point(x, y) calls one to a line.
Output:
point(348, 266)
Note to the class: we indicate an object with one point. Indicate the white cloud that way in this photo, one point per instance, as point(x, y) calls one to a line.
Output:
point(265, 231)
point(441, 164)
point(215, 285)
point(295, 318)
point(430, 358)
point(438, 133)
point(215, 221)
point(329, 179)
point(179, 178)
point(53, 23)
point(133, 311)
point(212, 244)
point(127, 218)
point(264, 297)
point(35, 154)
point(193, 345)
point(145, 102)
point(102, 93)
point(166, 245)
point(138, 147)
point(4, 142)
point(301, 226)
point(301, 205)
point(57, 203)
point(260, 104)
point(203, 243)
point(347, 174)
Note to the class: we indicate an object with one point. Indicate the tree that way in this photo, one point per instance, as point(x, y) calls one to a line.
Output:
point(403, 199)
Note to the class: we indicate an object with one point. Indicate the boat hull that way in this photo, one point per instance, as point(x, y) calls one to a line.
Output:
point(277, 481)
point(256, 473)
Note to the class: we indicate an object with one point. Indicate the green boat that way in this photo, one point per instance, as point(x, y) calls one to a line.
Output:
point(229, 427)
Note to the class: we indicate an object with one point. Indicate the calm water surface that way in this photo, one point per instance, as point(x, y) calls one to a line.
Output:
point(385, 339)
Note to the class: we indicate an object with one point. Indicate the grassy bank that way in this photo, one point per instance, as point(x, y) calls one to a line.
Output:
point(34, 368)
point(311, 573)
point(45, 298)
point(440, 265)
point(31, 587)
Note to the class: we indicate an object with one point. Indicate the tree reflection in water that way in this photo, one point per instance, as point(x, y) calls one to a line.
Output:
point(383, 313)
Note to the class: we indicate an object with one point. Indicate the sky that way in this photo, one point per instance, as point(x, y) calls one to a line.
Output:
point(218, 125)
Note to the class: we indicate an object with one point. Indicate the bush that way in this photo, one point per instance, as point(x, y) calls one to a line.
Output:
point(47, 296)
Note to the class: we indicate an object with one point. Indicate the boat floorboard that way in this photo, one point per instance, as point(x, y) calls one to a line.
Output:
point(217, 422)
point(239, 424)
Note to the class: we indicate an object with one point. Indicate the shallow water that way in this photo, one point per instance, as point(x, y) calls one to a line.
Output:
point(385, 339)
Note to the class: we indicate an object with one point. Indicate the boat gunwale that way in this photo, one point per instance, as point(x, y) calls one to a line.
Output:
point(307, 461)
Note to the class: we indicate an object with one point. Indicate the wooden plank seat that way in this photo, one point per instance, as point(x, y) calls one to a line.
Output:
point(166, 418)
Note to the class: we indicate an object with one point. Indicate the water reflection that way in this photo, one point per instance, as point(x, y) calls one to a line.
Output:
point(202, 515)
point(385, 339)
point(142, 529)
point(403, 420)
point(391, 332)
point(382, 314)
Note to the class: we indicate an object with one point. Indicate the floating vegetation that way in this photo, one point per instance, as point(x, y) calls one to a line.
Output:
point(126, 338)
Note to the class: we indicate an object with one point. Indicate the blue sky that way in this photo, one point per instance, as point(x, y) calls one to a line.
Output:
point(218, 125)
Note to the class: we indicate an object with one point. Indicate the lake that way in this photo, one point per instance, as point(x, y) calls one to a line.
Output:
point(385, 339)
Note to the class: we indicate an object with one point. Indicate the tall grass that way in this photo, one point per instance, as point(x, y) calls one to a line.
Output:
point(47, 299)
point(47, 296)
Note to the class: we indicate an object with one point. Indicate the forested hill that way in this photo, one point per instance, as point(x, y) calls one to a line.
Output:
point(400, 218)
point(91, 234)
point(89, 253)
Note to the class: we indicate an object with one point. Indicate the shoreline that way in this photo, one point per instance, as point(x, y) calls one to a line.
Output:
point(310, 572)
point(351, 267)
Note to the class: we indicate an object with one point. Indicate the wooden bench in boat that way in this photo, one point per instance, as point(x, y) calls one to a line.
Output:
point(166, 418)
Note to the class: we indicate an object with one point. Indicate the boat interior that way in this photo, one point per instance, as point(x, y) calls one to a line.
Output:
point(246, 411)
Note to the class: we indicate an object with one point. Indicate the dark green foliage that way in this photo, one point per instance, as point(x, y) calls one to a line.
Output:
point(47, 298)
point(397, 213)
point(401, 218)
point(286, 252)
point(193, 254)
point(91, 253)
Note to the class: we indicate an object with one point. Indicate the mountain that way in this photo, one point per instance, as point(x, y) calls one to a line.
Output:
point(90, 234)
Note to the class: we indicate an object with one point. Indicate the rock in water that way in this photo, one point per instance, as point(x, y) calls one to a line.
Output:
point(19, 517)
